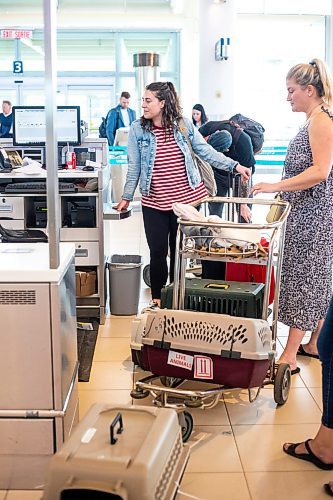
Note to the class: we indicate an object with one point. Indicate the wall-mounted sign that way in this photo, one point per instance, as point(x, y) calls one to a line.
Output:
point(16, 33)
point(17, 67)
point(222, 49)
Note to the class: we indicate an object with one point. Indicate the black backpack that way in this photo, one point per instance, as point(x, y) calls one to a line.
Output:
point(102, 128)
point(254, 129)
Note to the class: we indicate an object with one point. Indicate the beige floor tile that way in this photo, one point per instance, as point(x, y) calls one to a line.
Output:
point(218, 486)
point(109, 375)
point(299, 408)
point(208, 416)
point(112, 349)
point(116, 397)
point(260, 446)
point(215, 450)
point(138, 373)
point(310, 371)
point(116, 326)
point(288, 485)
point(24, 495)
point(211, 416)
point(3, 494)
point(317, 395)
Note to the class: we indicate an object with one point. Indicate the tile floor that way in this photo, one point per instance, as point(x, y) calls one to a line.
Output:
point(237, 453)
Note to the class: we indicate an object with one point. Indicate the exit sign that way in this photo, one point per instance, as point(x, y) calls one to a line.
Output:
point(19, 33)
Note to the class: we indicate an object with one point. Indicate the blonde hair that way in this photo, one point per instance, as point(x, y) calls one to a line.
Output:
point(315, 73)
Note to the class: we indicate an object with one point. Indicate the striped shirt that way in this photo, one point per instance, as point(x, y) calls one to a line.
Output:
point(169, 182)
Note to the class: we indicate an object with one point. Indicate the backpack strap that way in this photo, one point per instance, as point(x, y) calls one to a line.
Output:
point(236, 134)
point(183, 129)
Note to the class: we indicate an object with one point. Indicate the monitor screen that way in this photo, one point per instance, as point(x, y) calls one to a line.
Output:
point(29, 127)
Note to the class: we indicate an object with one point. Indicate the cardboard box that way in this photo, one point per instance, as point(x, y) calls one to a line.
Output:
point(85, 283)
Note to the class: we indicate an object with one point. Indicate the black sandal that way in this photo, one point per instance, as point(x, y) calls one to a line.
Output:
point(302, 352)
point(308, 457)
point(328, 489)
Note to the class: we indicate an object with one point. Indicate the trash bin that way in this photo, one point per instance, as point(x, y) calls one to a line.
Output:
point(124, 284)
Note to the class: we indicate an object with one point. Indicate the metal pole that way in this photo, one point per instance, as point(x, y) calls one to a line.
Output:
point(51, 157)
point(18, 58)
point(146, 66)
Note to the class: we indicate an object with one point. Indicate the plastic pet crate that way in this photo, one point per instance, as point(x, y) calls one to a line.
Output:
point(214, 348)
point(221, 297)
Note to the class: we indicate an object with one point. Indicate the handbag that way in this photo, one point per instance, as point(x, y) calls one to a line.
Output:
point(275, 211)
point(206, 171)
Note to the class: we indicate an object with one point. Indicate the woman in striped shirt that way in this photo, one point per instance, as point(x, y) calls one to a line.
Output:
point(159, 160)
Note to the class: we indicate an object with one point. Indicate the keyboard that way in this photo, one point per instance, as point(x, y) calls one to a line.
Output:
point(38, 187)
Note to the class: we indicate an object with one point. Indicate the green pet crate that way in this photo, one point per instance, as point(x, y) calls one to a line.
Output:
point(223, 297)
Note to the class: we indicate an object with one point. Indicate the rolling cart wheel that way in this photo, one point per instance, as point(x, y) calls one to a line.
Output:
point(193, 403)
point(186, 423)
point(282, 382)
point(146, 275)
point(139, 394)
point(170, 381)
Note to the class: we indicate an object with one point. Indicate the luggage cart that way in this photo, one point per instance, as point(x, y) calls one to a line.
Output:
point(221, 336)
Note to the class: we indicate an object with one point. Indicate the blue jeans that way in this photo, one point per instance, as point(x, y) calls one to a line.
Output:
point(325, 350)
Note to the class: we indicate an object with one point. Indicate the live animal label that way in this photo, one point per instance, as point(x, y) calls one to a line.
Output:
point(180, 360)
point(203, 367)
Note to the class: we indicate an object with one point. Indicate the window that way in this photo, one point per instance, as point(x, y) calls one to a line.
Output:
point(266, 47)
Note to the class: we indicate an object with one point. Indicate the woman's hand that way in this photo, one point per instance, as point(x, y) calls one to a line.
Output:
point(246, 213)
point(122, 205)
point(265, 187)
point(244, 171)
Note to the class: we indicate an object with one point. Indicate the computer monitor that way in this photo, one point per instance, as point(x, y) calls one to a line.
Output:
point(121, 137)
point(29, 125)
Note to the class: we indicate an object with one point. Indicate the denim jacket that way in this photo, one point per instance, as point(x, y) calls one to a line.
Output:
point(141, 152)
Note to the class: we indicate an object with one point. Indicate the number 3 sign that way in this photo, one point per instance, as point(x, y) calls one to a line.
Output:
point(17, 67)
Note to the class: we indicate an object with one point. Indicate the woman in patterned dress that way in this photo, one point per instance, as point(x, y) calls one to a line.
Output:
point(306, 282)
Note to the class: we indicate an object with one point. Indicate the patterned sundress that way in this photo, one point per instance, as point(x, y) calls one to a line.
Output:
point(306, 282)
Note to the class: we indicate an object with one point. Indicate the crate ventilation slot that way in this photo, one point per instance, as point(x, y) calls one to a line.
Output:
point(205, 331)
point(17, 297)
point(164, 481)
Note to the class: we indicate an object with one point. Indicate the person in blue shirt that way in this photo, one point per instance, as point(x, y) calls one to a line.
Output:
point(120, 116)
point(6, 119)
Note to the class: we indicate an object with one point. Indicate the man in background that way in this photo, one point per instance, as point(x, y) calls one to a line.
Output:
point(6, 119)
point(120, 116)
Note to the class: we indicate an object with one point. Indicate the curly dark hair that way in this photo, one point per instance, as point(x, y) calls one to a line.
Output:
point(171, 112)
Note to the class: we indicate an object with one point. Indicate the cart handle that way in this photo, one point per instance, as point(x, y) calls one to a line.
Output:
point(116, 420)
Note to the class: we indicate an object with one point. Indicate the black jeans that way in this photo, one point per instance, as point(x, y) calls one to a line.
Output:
point(224, 184)
point(161, 231)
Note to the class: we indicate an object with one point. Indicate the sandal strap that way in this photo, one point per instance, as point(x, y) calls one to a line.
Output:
point(308, 449)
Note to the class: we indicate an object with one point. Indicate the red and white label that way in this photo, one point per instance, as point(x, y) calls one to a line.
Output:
point(16, 34)
point(203, 367)
point(181, 360)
